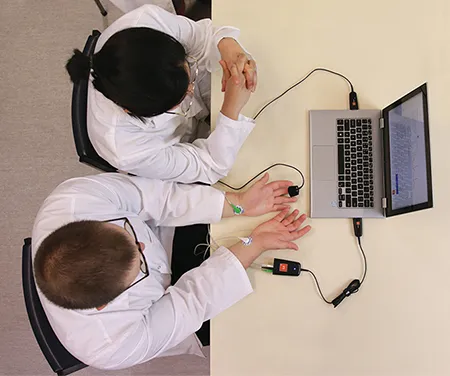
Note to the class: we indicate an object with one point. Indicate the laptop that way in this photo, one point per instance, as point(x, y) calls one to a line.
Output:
point(371, 163)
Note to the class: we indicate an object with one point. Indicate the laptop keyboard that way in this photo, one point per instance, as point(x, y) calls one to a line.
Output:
point(355, 163)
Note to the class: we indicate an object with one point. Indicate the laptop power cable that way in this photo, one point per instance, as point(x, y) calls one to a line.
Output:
point(294, 268)
point(353, 98)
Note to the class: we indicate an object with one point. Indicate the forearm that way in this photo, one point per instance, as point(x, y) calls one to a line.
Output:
point(247, 254)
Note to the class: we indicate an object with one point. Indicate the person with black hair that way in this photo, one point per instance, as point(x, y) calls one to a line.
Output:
point(149, 96)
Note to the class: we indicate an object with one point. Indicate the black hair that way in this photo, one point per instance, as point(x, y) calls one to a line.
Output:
point(140, 69)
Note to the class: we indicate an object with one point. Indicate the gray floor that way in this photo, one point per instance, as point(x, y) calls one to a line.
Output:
point(37, 153)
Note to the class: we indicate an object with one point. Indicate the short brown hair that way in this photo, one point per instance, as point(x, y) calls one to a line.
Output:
point(83, 264)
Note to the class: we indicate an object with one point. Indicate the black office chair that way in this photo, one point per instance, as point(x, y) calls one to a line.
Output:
point(61, 361)
point(85, 150)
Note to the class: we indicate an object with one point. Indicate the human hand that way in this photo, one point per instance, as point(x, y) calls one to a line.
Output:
point(236, 93)
point(233, 54)
point(280, 231)
point(265, 197)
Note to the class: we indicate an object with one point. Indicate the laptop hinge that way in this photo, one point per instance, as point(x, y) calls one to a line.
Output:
point(384, 203)
point(381, 123)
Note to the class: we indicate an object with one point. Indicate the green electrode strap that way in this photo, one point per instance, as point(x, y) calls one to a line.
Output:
point(237, 209)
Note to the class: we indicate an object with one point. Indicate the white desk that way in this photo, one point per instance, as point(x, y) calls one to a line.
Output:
point(399, 323)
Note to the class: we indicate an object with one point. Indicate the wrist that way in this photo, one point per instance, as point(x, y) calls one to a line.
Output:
point(230, 112)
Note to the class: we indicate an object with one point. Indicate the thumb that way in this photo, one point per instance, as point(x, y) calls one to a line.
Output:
point(264, 179)
point(235, 74)
point(289, 245)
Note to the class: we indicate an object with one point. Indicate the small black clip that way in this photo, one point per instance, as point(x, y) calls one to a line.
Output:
point(352, 288)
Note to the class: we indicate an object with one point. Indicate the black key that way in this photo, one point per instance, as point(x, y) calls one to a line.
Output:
point(354, 175)
point(365, 139)
point(353, 181)
point(340, 134)
point(348, 201)
point(347, 184)
point(359, 143)
point(347, 134)
point(352, 131)
point(347, 165)
point(340, 121)
point(346, 147)
point(359, 136)
point(370, 148)
point(364, 126)
point(360, 173)
point(366, 170)
point(360, 168)
point(353, 137)
point(360, 205)
point(358, 121)
point(353, 150)
point(341, 184)
point(371, 182)
point(341, 178)
point(369, 121)
point(353, 155)
point(360, 160)
point(354, 187)
point(360, 186)
point(347, 140)
point(354, 202)
point(360, 180)
point(366, 195)
point(353, 143)
point(352, 122)
point(340, 204)
point(360, 192)
point(347, 159)
point(360, 199)
point(341, 197)
point(371, 204)
point(366, 190)
point(340, 159)
point(353, 168)
point(348, 190)
point(366, 152)
point(366, 203)
point(346, 125)
point(347, 152)
point(354, 194)
point(369, 137)
point(370, 159)
point(347, 177)
point(365, 146)
point(371, 198)
point(359, 148)
point(359, 154)
point(364, 121)
point(347, 171)
point(340, 141)
point(340, 191)
point(366, 164)
point(366, 158)
point(340, 128)
point(353, 162)
point(366, 177)
point(366, 183)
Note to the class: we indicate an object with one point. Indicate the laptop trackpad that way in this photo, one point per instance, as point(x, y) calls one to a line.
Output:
point(324, 163)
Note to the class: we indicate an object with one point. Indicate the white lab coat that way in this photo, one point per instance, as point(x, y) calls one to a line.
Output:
point(167, 146)
point(152, 318)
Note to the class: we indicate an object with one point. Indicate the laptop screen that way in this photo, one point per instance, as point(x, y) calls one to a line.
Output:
point(409, 155)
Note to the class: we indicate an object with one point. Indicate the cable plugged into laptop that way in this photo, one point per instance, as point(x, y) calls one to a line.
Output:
point(353, 100)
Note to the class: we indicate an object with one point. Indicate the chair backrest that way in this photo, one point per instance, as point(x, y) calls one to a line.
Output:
point(85, 150)
point(61, 361)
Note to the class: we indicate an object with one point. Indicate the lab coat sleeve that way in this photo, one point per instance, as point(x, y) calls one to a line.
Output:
point(205, 160)
point(200, 39)
point(164, 203)
point(199, 295)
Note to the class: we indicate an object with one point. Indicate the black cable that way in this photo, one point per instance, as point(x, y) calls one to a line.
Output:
point(365, 260)
point(299, 82)
point(262, 172)
point(317, 284)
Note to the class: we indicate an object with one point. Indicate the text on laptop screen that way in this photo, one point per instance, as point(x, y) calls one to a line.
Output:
point(408, 154)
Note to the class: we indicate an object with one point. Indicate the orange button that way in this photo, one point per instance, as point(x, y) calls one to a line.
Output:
point(283, 267)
